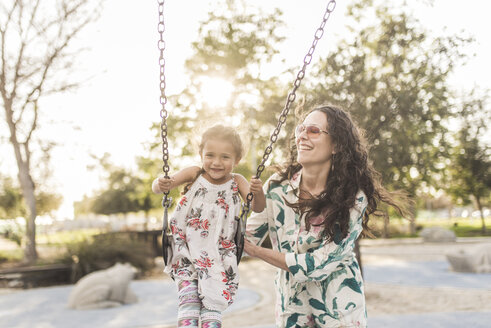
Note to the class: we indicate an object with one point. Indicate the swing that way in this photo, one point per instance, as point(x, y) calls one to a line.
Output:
point(167, 240)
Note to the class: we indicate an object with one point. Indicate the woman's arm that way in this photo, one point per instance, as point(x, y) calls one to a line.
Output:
point(256, 187)
point(268, 255)
point(161, 184)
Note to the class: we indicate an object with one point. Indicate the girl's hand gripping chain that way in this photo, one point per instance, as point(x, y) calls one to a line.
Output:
point(259, 200)
point(163, 185)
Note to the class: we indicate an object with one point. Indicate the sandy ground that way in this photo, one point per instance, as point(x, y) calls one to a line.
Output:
point(382, 299)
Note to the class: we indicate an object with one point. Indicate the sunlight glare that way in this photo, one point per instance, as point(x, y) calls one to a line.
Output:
point(216, 92)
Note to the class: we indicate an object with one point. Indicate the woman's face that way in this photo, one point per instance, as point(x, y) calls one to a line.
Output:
point(314, 149)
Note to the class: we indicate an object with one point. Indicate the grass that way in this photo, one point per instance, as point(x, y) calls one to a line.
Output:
point(13, 255)
point(66, 237)
point(463, 227)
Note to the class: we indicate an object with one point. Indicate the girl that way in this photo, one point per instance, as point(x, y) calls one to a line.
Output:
point(204, 262)
point(316, 209)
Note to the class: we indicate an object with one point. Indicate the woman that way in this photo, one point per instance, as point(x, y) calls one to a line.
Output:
point(316, 209)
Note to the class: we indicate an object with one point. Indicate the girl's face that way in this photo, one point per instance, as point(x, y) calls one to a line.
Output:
point(218, 158)
point(314, 149)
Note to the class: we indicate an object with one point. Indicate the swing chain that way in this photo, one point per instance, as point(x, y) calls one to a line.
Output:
point(163, 101)
point(292, 95)
point(331, 5)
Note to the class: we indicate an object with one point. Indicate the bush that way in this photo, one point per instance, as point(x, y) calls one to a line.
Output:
point(15, 255)
point(12, 230)
point(105, 250)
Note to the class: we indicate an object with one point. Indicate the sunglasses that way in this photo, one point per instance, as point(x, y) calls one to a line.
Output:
point(313, 131)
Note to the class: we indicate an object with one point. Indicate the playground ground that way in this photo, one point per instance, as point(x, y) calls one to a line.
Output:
point(408, 285)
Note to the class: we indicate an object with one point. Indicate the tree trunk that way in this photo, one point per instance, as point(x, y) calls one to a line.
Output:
point(145, 224)
point(27, 185)
point(479, 207)
point(386, 233)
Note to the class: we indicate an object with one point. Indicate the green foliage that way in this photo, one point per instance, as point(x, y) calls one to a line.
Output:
point(60, 238)
point(392, 77)
point(463, 227)
point(470, 230)
point(13, 231)
point(12, 204)
point(15, 255)
point(105, 250)
point(470, 169)
point(120, 195)
point(47, 202)
point(471, 164)
point(124, 193)
point(11, 201)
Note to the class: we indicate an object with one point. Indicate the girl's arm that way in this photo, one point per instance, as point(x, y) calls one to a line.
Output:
point(256, 187)
point(161, 184)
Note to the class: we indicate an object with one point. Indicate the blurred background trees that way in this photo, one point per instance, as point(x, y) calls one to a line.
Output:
point(470, 160)
point(36, 60)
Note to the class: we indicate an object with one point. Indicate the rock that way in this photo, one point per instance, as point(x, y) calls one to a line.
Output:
point(438, 235)
point(104, 288)
point(477, 260)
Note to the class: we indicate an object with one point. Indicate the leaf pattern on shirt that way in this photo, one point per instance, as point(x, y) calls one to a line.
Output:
point(324, 277)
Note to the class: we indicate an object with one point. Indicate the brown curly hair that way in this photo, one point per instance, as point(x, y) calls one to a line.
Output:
point(351, 172)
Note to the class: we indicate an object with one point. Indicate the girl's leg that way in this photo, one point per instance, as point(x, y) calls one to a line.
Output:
point(210, 318)
point(189, 304)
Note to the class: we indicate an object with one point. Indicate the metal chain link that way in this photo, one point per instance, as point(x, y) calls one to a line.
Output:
point(163, 100)
point(292, 95)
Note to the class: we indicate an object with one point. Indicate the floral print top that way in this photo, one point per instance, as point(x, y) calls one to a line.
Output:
point(203, 228)
point(324, 287)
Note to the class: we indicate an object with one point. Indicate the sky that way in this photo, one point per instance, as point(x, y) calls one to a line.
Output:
point(112, 112)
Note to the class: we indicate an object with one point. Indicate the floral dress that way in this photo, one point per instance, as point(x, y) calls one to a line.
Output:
point(324, 287)
point(203, 227)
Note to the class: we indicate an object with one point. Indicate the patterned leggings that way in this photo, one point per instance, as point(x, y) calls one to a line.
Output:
point(191, 309)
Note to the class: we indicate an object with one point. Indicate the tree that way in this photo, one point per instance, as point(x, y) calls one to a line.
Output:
point(12, 204)
point(392, 77)
point(119, 196)
point(233, 44)
point(470, 167)
point(36, 61)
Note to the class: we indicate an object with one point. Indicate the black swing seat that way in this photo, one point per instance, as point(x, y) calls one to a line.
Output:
point(239, 236)
point(167, 239)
